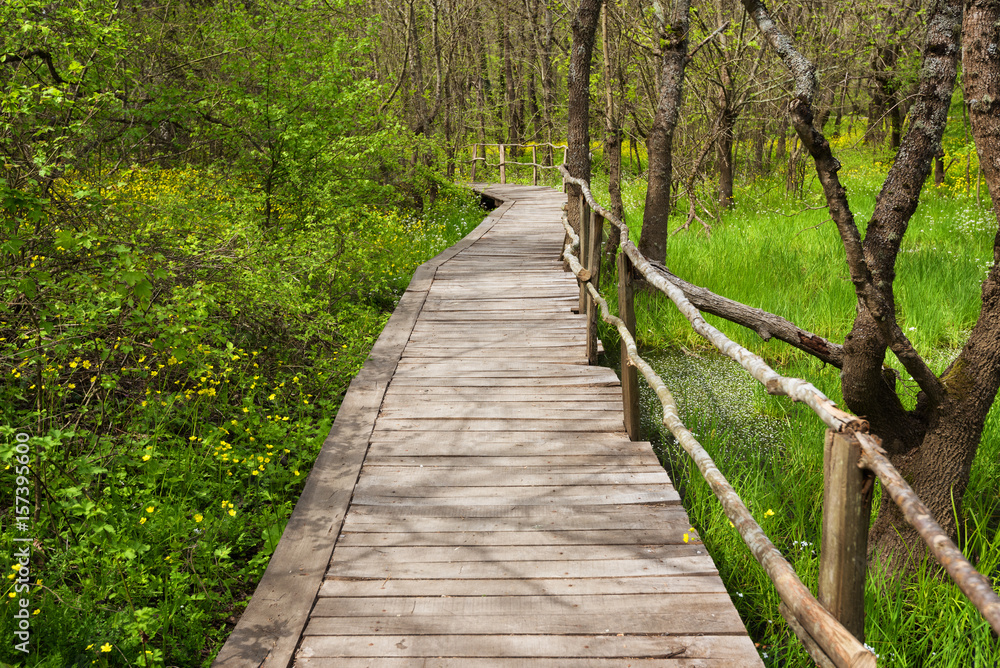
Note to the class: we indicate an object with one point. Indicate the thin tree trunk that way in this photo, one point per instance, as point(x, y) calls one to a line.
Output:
point(653, 239)
point(612, 145)
point(578, 99)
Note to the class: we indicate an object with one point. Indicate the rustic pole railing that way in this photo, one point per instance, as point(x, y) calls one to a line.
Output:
point(504, 162)
point(630, 375)
point(831, 629)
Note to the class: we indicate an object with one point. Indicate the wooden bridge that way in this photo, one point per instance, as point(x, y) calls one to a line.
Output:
point(478, 502)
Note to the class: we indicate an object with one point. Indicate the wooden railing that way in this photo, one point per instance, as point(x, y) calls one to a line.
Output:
point(831, 628)
point(504, 163)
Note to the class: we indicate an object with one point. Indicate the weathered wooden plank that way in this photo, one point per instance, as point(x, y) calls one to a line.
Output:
point(655, 584)
point(542, 461)
point(449, 406)
point(499, 662)
point(439, 392)
point(464, 537)
point(485, 477)
point(456, 466)
point(510, 554)
point(539, 514)
point(487, 381)
point(665, 605)
point(591, 424)
point(683, 622)
point(588, 647)
point(398, 409)
point(664, 521)
point(531, 496)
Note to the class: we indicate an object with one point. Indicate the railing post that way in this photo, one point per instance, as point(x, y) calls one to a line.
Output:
point(472, 178)
point(630, 375)
point(534, 166)
point(584, 232)
point(596, 222)
point(847, 507)
point(503, 165)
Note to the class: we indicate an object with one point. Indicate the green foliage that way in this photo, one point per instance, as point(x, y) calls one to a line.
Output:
point(177, 365)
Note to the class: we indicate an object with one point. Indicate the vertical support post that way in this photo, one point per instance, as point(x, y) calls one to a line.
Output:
point(584, 247)
point(596, 222)
point(472, 178)
point(503, 165)
point(630, 375)
point(847, 507)
point(534, 166)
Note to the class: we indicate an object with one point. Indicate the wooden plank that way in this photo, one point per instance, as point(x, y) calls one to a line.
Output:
point(663, 605)
point(670, 525)
point(542, 460)
point(512, 511)
point(493, 662)
point(656, 584)
point(684, 621)
point(587, 647)
point(469, 425)
point(463, 537)
point(511, 554)
point(427, 410)
point(486, 477)
point(507, 393)
point(487, 381)
point(530, 496)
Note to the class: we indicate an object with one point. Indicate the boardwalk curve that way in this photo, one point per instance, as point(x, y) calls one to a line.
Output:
point(478, 503)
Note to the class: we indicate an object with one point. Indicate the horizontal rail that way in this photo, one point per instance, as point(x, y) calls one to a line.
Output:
point(543, 145)
point(973, 584)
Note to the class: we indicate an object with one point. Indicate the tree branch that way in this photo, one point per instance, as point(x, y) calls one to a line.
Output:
point(878, 303)
point(766, 324)
point(37, 53)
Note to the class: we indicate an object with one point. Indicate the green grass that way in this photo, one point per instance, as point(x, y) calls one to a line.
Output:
point(771, 252)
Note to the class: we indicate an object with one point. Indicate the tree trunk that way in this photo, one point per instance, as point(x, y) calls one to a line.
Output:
point(725, 157)
point(612, 145)
point(758, 150)
point(938, 470)
point(578, 99)
point(653, 239)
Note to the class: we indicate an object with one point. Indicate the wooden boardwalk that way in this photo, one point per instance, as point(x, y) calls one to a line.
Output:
point(480, 499)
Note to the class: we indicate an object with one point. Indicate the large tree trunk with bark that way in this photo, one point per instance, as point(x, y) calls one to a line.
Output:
point(653, 239)
point(578, 85)
point(938, 467)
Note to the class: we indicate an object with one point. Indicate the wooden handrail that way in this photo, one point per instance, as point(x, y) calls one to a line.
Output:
point(535, 166)
point(832, 639)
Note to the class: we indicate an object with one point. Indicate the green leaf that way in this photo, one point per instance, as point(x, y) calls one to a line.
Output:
point(28, 287)
point(143, 289)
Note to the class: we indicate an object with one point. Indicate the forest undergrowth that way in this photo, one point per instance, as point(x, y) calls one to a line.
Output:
point(171, 368)
point(779, 251)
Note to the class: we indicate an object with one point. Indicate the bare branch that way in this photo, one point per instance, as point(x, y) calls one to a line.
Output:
point(766, 324)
